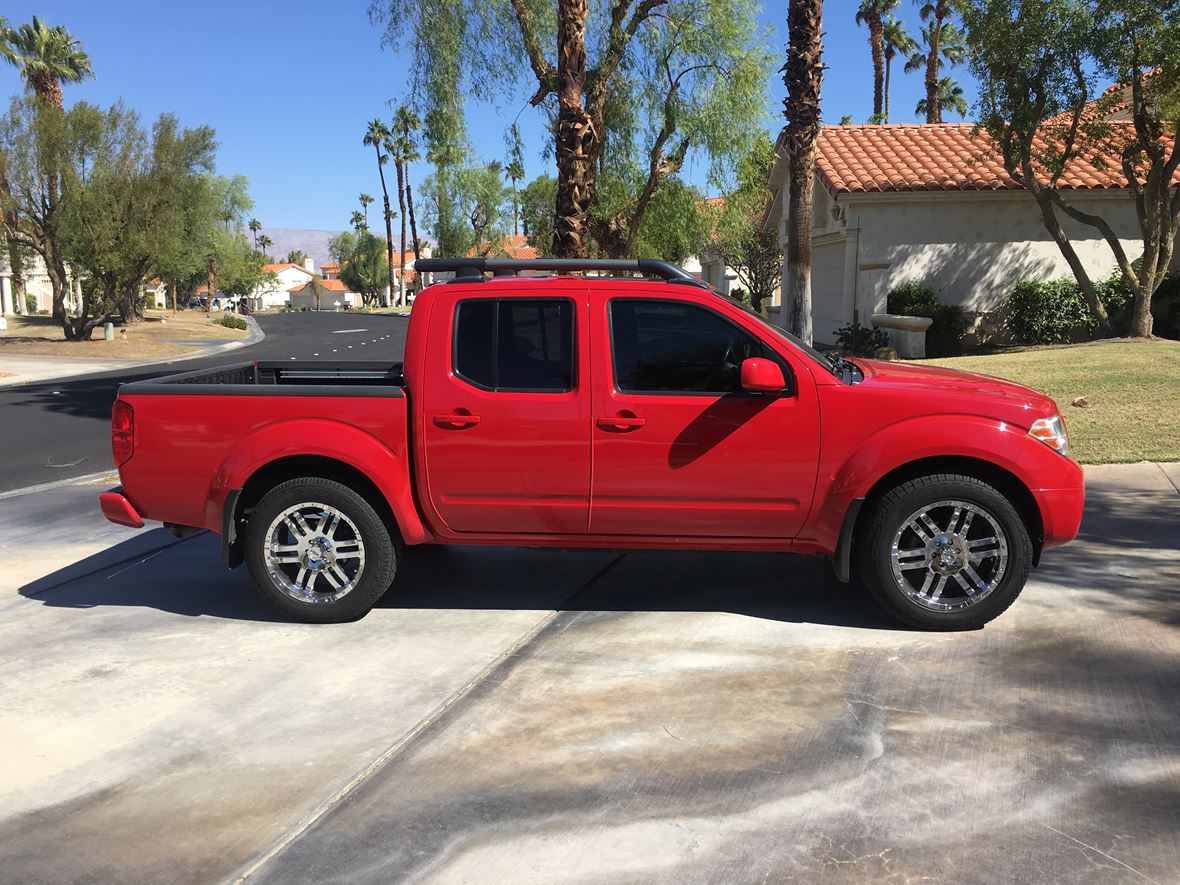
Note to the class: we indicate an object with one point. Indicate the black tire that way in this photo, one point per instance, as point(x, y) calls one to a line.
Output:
point(375, 566)
point(890, 515)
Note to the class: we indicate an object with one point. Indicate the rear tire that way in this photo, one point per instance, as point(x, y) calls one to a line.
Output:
point(319, 552)
point(944, 552)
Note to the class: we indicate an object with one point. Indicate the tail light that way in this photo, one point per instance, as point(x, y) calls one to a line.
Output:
point(122, 432)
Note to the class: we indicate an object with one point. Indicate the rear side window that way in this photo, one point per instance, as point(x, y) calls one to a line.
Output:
point(677, 347)
point(515, 344)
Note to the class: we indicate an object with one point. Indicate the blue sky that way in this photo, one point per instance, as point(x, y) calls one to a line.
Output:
point(289, 87)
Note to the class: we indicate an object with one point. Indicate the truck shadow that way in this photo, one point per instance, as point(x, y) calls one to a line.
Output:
point(154, 571)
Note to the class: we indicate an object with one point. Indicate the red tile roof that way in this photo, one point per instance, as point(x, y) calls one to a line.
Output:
point(512, 246)
point(933, 157)
point(283, 265)
point(326, 285)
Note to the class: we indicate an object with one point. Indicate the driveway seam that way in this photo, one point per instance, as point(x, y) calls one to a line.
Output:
point(1160, 467)
point(321, 810)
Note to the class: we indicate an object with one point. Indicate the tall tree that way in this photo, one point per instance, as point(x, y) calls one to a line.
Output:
point(803, 74)
point(575, 60)
point(377, 137)
point(950, 98)
point(897, 42)
point(357, 220)
point(736, 231)
point(405, 127)
point(536, 212)
point(943, 43)
point(872, 14)
point(46, 58)
point(366, 201)
point(255, 226)
point(515, 172)
point(363, 263)
point(263, 243)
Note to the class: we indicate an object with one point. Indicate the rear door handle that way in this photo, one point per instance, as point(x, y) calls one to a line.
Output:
point(455, 421)
point(621, 422)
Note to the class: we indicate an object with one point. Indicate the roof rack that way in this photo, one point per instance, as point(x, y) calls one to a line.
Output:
point(473, 269)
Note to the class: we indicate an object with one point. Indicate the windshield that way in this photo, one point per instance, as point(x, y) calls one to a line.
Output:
point(794, 340)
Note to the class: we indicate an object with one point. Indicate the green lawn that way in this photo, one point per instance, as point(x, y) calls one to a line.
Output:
point(1133, 388)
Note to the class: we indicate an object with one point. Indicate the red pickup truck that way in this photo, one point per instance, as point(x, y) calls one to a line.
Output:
point(602, 411)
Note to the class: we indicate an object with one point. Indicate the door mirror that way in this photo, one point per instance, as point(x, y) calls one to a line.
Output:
point(762, 376)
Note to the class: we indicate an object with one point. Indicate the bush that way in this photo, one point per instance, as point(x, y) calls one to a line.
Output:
point(1165, 306)
point(233, 322)
point(945, 335)
point(30, 303)
point(861, 340)
point(1052, 312)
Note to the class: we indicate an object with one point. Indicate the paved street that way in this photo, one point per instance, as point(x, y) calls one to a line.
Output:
point(518, 716)
point(60, 429)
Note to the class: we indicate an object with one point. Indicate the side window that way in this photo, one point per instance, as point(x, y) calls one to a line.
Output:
point(515, 344)
point(676, 347)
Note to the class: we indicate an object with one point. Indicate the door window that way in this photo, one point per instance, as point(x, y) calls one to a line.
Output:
point(677, 347)
point(515, 344)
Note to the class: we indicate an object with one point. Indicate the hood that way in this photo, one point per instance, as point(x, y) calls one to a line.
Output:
point(987, 395)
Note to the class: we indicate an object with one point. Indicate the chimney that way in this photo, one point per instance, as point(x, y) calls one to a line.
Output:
point(309, 265)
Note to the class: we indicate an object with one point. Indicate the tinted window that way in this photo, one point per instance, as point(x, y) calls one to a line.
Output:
point(677, 347)
point(515, 344)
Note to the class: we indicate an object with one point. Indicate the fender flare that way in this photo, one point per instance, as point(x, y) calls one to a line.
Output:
point(386, 468)
point(997, 443)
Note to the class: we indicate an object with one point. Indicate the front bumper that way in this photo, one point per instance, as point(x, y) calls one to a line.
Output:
point(116, 508)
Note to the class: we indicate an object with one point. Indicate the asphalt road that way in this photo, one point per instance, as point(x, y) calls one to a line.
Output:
point(61, 429)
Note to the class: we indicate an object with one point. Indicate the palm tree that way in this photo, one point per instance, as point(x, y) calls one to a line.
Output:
point(871, 13)
point(366, 201)
point(377, 137)
point(405, 124)
point(255, 226)
point(942, 42)
point(46, 57)
point(263, 243)
point(515, 172)
point(950, 97)
point(897, 42)
point(358, 221)
point(803, 74)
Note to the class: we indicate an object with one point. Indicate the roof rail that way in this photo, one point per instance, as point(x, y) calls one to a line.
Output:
point(473, 269)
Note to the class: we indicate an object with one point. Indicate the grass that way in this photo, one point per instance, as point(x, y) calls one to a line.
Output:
point(1133, 390)
point(155, 338)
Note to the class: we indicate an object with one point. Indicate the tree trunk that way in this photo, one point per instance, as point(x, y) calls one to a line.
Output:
point(804, 78)
point(933, 110)
point(388, 220)
point(401, 256)
point(576, 137)
point(877, 44)
point(410, 208)
point(515, 212)
point(888, 65)
point(1053, 226)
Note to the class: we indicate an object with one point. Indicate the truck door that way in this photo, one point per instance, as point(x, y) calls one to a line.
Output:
point(506, 413)
point(678, 447)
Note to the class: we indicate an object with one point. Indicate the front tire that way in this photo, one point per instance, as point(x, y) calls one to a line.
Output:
point(944, 552)
point(319, 552)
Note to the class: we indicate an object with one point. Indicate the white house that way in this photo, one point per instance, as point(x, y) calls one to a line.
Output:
point(932, 203)
point(287, 276)
point(37, 288)
point(333, 293)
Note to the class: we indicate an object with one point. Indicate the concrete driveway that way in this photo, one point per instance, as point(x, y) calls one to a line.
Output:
point(515, 716)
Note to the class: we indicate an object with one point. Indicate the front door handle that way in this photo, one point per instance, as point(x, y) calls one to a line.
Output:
point(456, 421)
point(621, 422)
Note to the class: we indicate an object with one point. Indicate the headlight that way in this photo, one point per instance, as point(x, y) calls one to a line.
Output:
point(1051, 431)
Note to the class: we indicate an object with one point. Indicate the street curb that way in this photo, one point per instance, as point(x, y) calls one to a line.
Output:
point(255, 335)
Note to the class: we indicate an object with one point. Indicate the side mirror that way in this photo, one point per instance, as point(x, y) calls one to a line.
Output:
point(762, 376)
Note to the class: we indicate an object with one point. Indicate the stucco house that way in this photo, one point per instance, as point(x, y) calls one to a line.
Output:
point(933, 203)
point(37, 288)
point(333, 294)
point(287, 275)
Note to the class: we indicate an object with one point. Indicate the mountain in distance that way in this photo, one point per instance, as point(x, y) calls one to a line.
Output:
point(313, 242)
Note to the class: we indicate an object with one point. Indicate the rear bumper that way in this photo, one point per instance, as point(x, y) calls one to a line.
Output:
point(116, 508)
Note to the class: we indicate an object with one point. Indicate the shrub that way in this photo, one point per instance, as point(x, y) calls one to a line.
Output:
point(1165, 306)
point(30, 303)
point(945, 335)
point(233, 322)
point(1052, 312)
point(861, 340)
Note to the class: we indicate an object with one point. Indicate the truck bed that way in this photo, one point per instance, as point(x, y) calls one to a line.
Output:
point(293, 378)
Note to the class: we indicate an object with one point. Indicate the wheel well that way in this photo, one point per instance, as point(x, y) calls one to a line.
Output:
point(298, 466)
point(1002, 480)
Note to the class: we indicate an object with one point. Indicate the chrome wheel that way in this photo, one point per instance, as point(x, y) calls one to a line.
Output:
point(949, 555)
point(314, 553)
